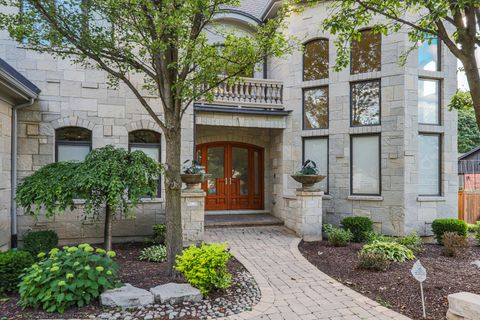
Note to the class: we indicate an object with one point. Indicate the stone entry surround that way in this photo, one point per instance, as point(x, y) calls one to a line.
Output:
point(291, 287)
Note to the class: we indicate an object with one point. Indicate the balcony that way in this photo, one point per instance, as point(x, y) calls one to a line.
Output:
point(249, 93)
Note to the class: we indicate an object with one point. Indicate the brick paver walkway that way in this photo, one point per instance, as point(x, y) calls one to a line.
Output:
point(291, 287)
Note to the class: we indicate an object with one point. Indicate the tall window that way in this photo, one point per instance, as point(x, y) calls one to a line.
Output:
point(315, 60)
point(316, 149)
point(149, 142)
point(72, 143)
point(429, 101)
point(365, 164)
point(429, 55)
point(365, 103)
point(429, 151)
point(315, 108)
point(366, 53)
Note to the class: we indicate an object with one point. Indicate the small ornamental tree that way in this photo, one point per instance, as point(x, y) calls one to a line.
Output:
point(153, 47)
point(109, 177)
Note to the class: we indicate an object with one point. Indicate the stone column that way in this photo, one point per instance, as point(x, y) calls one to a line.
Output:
point(193, 216)
point(305, 211)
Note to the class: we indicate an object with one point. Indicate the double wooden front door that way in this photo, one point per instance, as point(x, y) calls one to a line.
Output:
point(236, 171)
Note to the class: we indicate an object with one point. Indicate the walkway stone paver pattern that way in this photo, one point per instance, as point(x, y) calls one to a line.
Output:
point(291, 287)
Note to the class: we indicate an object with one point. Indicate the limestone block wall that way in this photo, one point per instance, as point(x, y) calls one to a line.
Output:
point(5, 186)
point(397, 210)
point(193, 216)
point(305, 214)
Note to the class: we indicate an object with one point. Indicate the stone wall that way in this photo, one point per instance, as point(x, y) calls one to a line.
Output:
point(5, 186)
point(305, 214)
point(398, 209)
point(193, 216)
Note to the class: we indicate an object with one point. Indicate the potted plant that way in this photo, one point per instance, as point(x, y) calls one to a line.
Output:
point(308, 176)
point(193, 174)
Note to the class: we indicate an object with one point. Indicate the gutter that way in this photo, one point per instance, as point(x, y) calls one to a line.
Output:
point(13, 172)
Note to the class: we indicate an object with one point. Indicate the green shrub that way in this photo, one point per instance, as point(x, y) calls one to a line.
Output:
point(472, 228)
point(12, 264)
point(205, 267)
point(373, 261)
point(454, 245)
point(74, 276)
point(358, 226)
point(338, 237)
point(40, 241)
point(159, 231)
point(440, 226)
point(373, 236)
point(477, 234)
point(412, 241)
point(157, 253)
point(392, 251)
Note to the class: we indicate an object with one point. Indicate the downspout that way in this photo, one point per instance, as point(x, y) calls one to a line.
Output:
point(13, 171)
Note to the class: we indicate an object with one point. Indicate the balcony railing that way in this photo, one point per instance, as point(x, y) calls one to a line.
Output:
point(250, 93)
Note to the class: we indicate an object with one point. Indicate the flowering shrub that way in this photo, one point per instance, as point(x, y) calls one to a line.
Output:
point(68, 277)
point(205, 267)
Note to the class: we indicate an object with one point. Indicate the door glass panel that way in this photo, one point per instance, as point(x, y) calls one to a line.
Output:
point(256, 173)
point(240, 170)
point(216, 167)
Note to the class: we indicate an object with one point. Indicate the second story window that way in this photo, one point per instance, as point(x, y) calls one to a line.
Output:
point(366, 53)
point(315, 108)
point(315, 60)
point(365, 103)
point(429, 101)
point(72, 143)
point(429, 55)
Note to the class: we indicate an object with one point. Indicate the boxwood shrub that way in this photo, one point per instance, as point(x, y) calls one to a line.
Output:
point(12, 264)
point(40, 241)
point(440, 226)
point(360, 227)
point(74, 276)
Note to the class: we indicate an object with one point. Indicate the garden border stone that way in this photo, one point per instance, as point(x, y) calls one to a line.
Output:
point(126, 296)
point(175, 293)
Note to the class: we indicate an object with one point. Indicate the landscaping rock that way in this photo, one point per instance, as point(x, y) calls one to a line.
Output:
point(127, 296)
point(175, 293)
point(476, 263)
point(463, 305)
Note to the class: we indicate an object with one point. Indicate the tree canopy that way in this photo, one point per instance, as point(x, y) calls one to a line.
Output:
point(468, 132)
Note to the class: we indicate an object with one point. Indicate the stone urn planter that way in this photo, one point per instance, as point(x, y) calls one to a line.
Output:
point(308, 180)
point(193, 180)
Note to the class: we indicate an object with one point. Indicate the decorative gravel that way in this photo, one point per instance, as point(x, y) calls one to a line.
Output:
point(240, 297)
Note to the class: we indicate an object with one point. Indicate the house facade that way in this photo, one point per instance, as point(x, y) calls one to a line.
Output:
point(381, 132)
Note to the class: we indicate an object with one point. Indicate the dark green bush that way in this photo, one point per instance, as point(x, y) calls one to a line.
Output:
point(440, 226)
point(12, 264)
point(373, 261)
point(360, 227)
point(159, 231)
point(40, 241)
point(338, 237)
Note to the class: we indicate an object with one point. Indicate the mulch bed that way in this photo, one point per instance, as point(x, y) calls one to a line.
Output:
point(396, 288)
point(138, 273)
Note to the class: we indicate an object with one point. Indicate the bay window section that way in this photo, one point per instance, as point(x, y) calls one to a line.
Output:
point(428, 101)
point(315, 108)
point(316, 149)
point(365, 165)
point(72, 143)
point(429, 152)
point(315, 60)
point(365, 103)
point(429, 55)
point(366, 53)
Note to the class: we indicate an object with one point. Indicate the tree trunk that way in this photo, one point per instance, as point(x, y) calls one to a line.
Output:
point(173, 186)
point(473, 79)
point(107, 234)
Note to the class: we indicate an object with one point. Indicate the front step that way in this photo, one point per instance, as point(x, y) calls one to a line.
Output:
point(241, 220)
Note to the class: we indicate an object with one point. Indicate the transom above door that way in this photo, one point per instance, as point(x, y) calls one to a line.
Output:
point(236, 171)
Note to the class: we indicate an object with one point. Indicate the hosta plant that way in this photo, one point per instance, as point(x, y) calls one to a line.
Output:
point(392, 251)
point(74, 276)
point(205, 267)
point(157, 253)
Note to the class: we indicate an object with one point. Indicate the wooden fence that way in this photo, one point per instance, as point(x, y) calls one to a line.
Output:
point(469, 206)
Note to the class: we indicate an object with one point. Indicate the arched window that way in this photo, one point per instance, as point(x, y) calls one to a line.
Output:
point(149, 142)
point(315, 60)
point(366, 53)
point(72, 143)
